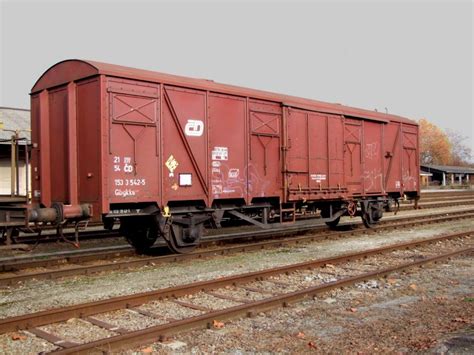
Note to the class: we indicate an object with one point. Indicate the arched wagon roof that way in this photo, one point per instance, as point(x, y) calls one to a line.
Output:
point(76, 69)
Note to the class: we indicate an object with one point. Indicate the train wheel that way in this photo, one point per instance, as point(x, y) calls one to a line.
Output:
point(371, 214)
point(182, 240)
point(326, 213)
point(141, 234)
point(367, 220)
point(334, 223)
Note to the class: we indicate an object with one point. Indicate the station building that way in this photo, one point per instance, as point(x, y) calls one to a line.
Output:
point(15, 139)
point(447, 175)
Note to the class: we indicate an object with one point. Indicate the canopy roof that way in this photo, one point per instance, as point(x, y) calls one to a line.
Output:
point(449, 169)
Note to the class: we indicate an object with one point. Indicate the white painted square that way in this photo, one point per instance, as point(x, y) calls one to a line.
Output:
point(185, 179)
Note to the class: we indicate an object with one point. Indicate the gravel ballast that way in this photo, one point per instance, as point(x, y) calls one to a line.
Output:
point(32, 296)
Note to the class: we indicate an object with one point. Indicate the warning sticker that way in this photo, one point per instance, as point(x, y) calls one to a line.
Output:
point(171, 164)
point(220, 153)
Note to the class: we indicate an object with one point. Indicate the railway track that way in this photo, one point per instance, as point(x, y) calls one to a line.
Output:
point(95, 231)
point(442, 199)
point(447, 193)
point(264, 289)
point(123, 250)
point(18, 269)
point(436, 204)
point(464, 196)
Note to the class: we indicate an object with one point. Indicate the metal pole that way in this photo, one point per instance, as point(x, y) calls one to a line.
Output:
point(17, 157)
point(27, 171)
point(13, 168)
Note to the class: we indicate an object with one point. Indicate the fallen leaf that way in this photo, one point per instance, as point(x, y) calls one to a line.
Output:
point(17, 336)
point(218, 325)
point(331, 266)
point(353, 309)
point(391, 281)
point(147, 350)
point(413, 287)
point(300, 335)
point(312, 345)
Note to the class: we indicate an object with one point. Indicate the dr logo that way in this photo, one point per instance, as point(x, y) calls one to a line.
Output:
point(194, 128)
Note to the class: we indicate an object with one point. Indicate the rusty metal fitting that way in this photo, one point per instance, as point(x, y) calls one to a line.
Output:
point(60, 212)
point(42, 215)
point(83, 211)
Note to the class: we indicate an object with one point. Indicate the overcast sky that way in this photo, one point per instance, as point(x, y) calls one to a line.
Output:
point(413, 58)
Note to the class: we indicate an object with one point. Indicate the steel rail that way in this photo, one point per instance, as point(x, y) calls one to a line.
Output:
point(431, 205)
point(137, 338)
point(451, 193)
point(122, 302)
point(123, 265)
point(447, 198)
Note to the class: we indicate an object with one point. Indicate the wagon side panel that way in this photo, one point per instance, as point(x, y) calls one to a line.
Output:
point(59, 144)
point(35, 152)
point(373, 173)
point(353, 155)
point(89, 143)
point(298, 150)
point(335, 152)
point(264, 167)
point(318, 151)
point(392, 157)
point(185, 161)
point(227, 147)
point(410, 160)
point(133, 141)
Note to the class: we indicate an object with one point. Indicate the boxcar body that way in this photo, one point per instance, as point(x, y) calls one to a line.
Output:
point(167, 154)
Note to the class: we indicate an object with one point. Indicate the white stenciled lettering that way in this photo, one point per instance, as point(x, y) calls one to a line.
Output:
point(220, 153)
point(130, 182)
point(124, 193)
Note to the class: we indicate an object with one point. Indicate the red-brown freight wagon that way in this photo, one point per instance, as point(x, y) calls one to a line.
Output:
point(167, 154)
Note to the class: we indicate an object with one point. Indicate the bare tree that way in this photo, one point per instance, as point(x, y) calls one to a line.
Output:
point(461, 154)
